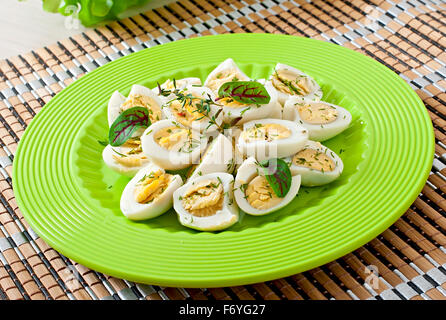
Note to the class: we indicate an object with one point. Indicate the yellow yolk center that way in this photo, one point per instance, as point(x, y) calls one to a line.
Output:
point(204, 198)
point(260, 195)
point(187, 113)
point(317, 113)
point(288, 82)
point(169, 85)
point(267, 132)
point(223, 77)
point(231, 103)
point(137, 100)
point(151, 186)
point(314, 159)
point(175, 138)
point(130, 154)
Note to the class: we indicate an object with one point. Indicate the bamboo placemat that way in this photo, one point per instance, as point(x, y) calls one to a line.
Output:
point(407, 261)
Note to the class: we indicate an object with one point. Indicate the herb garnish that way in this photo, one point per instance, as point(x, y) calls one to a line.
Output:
point(278, 175)
point(288, 83)
point(246, 92)
point(126, 124)
point(103, 142)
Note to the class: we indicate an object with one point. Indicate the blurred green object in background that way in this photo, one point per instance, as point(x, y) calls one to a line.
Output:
point(91, 12)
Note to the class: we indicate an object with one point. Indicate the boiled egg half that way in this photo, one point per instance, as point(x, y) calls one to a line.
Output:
point(218, 157)
point(194, 108)
point(171, 145)
point(271, 138)
point(245, 112)
point(225, 72)
point(149, 194)
point(289, 81)
point(253, 192)
point(127, 159)
point(323, 120)
point(206, 203)
point(139, 96)
point(316, 164)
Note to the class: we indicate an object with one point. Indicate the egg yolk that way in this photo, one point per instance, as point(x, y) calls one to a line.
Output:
point(260, 195)
point(317, 113)
point(287, 81)
point(204, 198)
point(225, 76)
point(189, 112)
point(169, 85)
point(231, 103)
point(130, 161)
point(137, 100)
point(267, 132)
point(151, 186)
point(176, 139)
point(133, 156)
point(314, 159)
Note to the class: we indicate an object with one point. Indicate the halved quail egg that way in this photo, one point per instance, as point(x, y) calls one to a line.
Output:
point(289, 81)
point(271, 138)
point(194, 108)
point(127, 159)
point(316, 164)
point(224, 72)
point(206, 203)
point(139, 96)
point(171, 145)
point(218, 157)
point(323, 120)
point(149, 194)
point(253, 193)
point(245, 112)
point(180, 84)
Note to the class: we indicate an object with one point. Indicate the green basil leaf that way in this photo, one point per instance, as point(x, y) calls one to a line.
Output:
point(278, 175)
point(247, 92)
point(126, 124)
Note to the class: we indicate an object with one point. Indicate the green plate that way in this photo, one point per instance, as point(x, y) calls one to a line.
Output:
point(71, 199)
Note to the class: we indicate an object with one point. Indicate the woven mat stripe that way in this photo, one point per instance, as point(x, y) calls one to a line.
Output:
point(24, 69)
point(78, 293)
point(127, 30)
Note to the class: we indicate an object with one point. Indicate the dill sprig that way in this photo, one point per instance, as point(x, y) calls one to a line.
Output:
point(202, 106)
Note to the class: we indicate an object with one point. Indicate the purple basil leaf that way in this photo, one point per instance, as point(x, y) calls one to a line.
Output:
point(278, 175)
point(126, 124)
point(247, 92)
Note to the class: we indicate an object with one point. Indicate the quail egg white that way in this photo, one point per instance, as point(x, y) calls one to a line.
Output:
point(224, 72)
point(253, 193)
point(233, 109)
point(206, 203)
point(218, 157)
point(114, 106)
point(323, 120)
point(149, 194)
point(277, 109)
point(179, 84)
point(139, 96)
point(127, 159)
point(171, 145)
point(271, 138)
point(195, 111)
point(316, 164)
point(289, 81)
